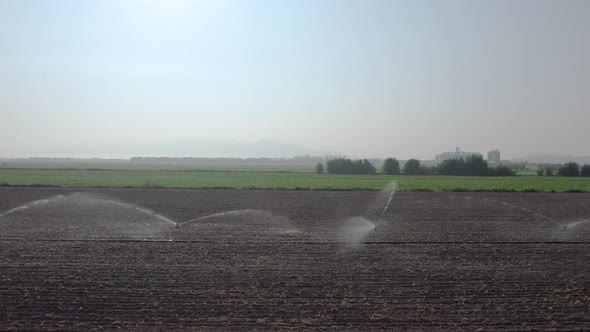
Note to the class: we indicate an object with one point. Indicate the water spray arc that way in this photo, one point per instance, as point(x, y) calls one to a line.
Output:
point(250, 220)
point(46, 201)
point(31, 204)
point(536, 214)
point(143, 210)
point(392, 187)
point(219, 214)
point(564, 227)
point(577, 223)
point(355, 230)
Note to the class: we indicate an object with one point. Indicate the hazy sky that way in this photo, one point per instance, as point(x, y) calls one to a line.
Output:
point(365, 78)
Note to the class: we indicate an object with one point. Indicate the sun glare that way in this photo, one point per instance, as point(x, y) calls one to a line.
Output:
point(168, 7)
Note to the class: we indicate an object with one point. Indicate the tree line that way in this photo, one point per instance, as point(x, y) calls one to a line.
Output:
point(568, 169)
point(347, 166)
point(471, 166)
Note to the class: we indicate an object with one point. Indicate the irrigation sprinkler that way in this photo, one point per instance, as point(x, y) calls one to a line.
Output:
point(392, 188)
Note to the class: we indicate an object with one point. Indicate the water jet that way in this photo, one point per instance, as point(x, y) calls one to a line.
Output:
point(391, 187)
point(82, 216)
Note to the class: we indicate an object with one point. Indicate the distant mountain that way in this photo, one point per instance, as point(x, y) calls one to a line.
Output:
point(187, 148)
point(227, 148)
point(551, 158)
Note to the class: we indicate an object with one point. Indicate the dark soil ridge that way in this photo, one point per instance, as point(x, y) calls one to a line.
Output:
point(529, 190)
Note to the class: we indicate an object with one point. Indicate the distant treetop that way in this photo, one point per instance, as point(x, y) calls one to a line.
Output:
point(391, 166)
point(348, 166)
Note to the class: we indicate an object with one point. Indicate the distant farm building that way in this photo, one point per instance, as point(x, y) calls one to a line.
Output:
point(455, 155)
point(494, 156)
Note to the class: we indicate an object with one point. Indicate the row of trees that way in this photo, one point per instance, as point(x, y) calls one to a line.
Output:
point(473, 165)
point(569, 169)
point(347, 166)
point(411, 167)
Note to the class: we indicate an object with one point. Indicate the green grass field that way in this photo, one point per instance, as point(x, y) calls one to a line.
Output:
point(277, 180)
point(126, 165)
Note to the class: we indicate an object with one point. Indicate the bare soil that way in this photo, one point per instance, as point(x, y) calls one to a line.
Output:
point(281, 260)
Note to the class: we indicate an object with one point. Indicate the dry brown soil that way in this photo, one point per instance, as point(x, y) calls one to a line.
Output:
point(286, 260)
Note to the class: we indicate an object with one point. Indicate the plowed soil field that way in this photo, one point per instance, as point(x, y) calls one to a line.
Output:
point(73, 259)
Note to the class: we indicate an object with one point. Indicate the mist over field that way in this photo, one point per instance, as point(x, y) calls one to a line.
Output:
point(181, 148)
point(366, 79)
